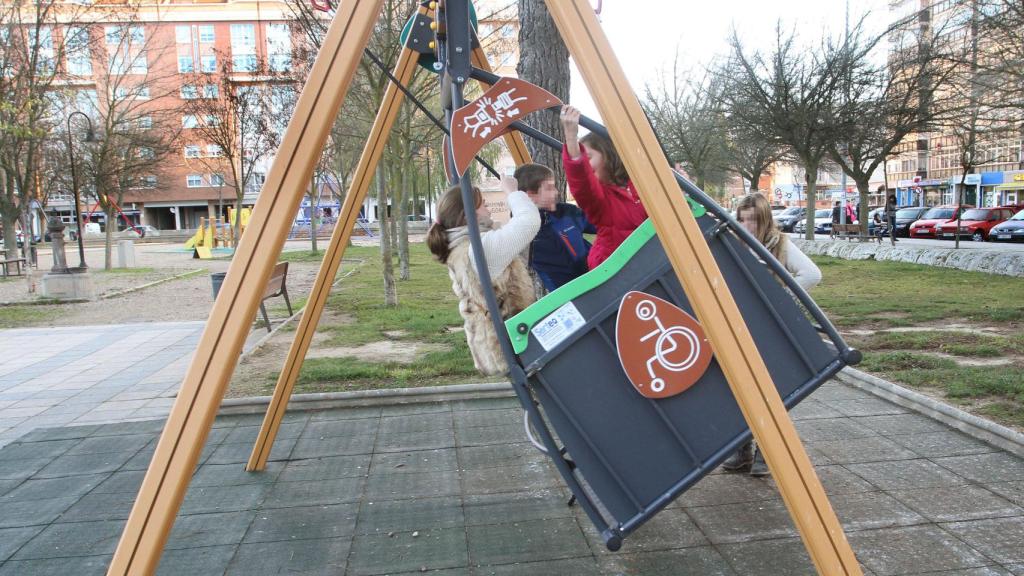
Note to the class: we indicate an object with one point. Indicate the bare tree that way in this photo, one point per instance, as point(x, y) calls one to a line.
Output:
point(242, 120)
point(788, 97)
point(881, 105)
point(32, 51)
point(135, 126)
point(688, 116)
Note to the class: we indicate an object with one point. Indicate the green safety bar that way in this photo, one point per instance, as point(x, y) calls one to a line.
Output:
point(519, 326)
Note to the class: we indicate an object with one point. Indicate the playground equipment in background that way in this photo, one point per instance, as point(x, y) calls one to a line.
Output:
point(692, 255)
point(216, 233)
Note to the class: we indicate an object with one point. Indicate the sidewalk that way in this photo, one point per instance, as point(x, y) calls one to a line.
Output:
point(91, 374)
point(453, 488)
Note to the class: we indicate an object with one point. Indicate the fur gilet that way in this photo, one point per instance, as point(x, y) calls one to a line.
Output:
point(514, 291)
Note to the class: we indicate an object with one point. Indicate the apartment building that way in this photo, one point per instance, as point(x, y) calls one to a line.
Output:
point(925, 169)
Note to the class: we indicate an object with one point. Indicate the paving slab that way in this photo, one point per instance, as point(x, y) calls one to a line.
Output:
point(453, 488)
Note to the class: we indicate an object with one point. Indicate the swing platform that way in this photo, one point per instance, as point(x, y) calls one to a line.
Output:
point(631, 455)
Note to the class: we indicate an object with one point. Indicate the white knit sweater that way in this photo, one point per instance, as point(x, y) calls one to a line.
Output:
point(503, 245)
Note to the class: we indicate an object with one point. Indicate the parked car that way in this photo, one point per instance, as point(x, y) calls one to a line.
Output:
point(975, 223)
point(907, 216)
point(925, 227)
point(789, 217)
point(822, 222)
point(138, 231)
point(1010, 230)
point(20, 238)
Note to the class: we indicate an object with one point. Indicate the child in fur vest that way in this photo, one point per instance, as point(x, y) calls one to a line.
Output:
point(448, 240)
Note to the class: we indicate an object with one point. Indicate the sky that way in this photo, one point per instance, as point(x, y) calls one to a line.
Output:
point(646, 34)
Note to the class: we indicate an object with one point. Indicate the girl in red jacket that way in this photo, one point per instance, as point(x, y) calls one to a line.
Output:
point(599, 183)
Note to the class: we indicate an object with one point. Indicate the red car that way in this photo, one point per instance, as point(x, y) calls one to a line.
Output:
point(925, 227)
point(975, 222)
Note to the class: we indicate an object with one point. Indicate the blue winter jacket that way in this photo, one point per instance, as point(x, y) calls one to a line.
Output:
point(559, 252)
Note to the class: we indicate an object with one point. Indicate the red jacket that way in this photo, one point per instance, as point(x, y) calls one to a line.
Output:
point(616, 211)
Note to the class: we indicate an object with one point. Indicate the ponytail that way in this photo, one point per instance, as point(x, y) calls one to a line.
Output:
point(450, 214)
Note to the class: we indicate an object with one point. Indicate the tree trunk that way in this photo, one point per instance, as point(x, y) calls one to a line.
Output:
point(108, 242)
point(390, 289)
point(544, 61)
point(403, 221)
point(811, 194)
point(237, 224)
point(314, 202)
point(755, 177)
point(862, 188)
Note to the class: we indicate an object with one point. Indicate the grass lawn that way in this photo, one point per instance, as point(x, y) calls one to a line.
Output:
point(355, 315)
point(24, 316)
point(869, 295)
point(857, 295)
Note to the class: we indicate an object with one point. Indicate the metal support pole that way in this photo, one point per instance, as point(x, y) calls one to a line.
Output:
point(74, 188)
point(704, 285)
point(191, 417)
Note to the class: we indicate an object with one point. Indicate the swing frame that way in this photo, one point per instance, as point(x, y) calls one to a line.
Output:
point(203, 388)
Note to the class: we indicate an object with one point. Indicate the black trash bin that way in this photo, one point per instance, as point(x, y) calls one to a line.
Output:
point(631, 455)
point(217, 278)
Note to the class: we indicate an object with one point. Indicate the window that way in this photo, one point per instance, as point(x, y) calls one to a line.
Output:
point(192, 151)
point(194, 180)
point(279, 47)
point(112, 34)
point(212, 120)
point(213, 151)
point(189, 92)
point(142, 92)
point(206, 33)
point(185, 64)
point(146, 153)
point(243, 47)
point(210, 91)
point(79, 59)
point(208, 63)
point(243, 63)
point(216, 179)
point(145, 182)
point(145, 122)
point(189, 121)
point(42, 43)
point(183, 34)
point(508, 31)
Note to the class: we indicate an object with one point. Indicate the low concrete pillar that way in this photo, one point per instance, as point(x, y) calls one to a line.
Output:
point(125, 254)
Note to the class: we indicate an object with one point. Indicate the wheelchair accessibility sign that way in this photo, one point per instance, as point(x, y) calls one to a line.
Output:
point(662, 348)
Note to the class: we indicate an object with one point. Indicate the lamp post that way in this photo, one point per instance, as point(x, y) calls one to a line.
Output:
point(90, 136)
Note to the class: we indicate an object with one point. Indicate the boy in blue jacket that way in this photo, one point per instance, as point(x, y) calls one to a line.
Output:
point(558, 253)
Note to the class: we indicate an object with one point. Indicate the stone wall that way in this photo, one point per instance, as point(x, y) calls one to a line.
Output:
point(990, 261)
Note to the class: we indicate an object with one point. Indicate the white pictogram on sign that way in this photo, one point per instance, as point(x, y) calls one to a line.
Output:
point(492, 112)
point(666, 344)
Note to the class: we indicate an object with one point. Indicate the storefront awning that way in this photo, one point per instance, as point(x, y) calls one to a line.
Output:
point(1010, 186)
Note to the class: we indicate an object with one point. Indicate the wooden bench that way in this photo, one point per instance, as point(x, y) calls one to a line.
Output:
point(17, 262)
point(849, 232)
point(276, 286)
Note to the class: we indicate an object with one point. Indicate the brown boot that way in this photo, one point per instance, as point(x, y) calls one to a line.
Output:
point(740, 461)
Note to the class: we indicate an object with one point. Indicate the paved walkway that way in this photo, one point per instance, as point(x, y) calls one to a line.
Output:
point(90, 374)
point(452, 488)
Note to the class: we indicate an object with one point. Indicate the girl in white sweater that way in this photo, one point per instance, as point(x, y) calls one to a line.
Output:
point(448, 240)
point(755, 214)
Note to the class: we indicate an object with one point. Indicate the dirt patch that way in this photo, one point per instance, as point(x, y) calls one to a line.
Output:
point(929, 327)
point(965, 361)
point(384, 351)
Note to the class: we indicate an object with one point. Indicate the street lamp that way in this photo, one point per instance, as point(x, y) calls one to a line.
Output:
point(90, 136)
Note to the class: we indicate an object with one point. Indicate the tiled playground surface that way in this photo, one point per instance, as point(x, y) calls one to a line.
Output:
point(453, 488)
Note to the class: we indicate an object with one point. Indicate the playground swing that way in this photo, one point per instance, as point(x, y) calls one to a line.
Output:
point(636, 435)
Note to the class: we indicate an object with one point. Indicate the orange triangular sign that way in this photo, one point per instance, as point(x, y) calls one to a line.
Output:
point(662, 349)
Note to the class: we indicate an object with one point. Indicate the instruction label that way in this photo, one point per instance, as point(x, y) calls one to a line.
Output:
point(558, 326)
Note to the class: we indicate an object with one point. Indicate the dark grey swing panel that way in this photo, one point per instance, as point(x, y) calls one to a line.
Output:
point(637, 454)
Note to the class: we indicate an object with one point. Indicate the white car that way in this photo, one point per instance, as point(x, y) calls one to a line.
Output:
point(138, 231)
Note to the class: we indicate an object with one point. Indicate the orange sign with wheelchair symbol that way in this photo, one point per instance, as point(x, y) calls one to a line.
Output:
point(662, 348)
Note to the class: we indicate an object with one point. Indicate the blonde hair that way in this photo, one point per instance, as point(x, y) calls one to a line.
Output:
point(768, 232)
